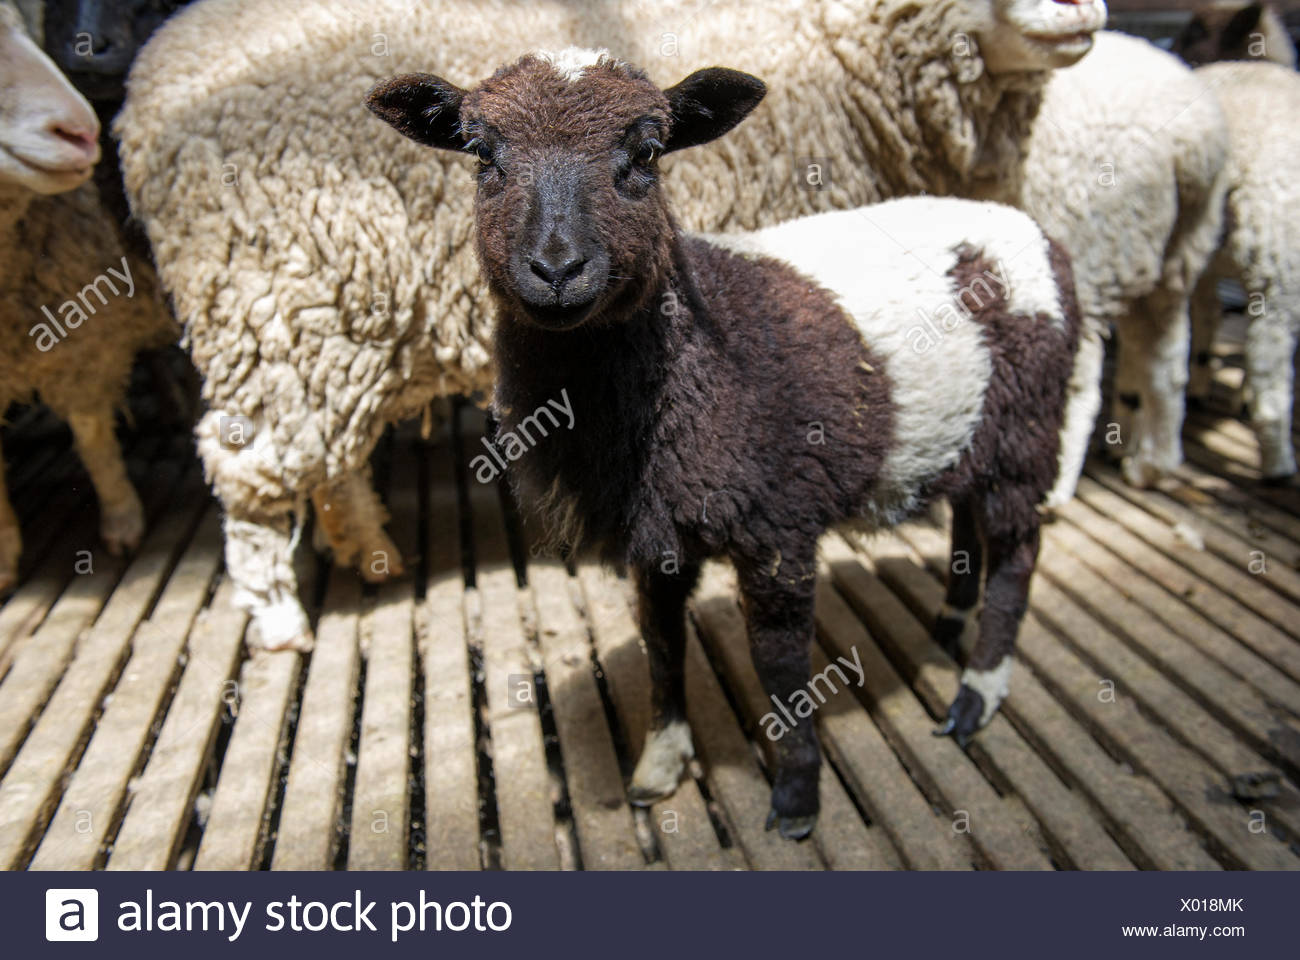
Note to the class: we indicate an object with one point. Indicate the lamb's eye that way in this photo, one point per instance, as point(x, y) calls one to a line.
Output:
point(478, 146)
point(648, 152)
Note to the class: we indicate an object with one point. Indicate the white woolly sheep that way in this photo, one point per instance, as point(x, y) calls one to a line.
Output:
point(738, 395)
point(1261, 249)
point(328, 288)
point(1125, 167)
point(75, 309)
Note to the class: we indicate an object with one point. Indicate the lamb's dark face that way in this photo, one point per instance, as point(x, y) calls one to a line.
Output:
point(570, 218)
point(569, 209)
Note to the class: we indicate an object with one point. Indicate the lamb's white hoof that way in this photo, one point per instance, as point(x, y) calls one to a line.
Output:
point(122, 528)
point(662, 763)
point(1139, 474)
point(283, 626)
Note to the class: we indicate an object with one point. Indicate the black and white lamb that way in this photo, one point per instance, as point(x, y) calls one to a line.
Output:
point(739, 396)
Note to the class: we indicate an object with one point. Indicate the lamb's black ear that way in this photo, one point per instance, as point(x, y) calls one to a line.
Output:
point(420, 106)
point(708, 103)
point(1243, 23)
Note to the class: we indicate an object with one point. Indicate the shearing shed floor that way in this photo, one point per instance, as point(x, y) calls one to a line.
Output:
point(485, 710)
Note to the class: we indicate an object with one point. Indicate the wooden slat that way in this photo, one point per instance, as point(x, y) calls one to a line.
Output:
point(602, 817)
point(524, 802)
point(41, 658)
point(1231, 700)
point(1076, 835)
point(1230, 532)
point(1215, 587)
point(843, 840)
point(1167, 593)
point(235, 833)
point(681, 823)
point(309, 827)
point(450, 751)
point(1138, 813)
point(162, 801)
point(1198, 788)
point(938, 761)
point(90, 810)
point(381, 802)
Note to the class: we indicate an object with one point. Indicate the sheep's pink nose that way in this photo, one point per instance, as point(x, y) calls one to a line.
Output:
point(82, 137)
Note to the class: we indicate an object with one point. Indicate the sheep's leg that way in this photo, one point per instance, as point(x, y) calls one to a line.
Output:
point(965, 565)
point(351, 517)
point(779, 616)
point(259, 560)
point(11, 537)
point(1270, 376)
point(1206, 316)
point(121, 517)
point(1155, 348)
point(1082, 406)
point(661, 610)
point(985, 681)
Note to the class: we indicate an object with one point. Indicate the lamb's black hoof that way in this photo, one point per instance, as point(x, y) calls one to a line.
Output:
point(1198, 403)
point(963, 717)
point(792, 828)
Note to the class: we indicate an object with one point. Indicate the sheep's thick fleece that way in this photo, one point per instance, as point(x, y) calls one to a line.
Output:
point(51, 248)
point(1125, 167)
point(1261, 246)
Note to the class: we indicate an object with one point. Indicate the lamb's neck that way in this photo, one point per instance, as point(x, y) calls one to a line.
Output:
point(616, 378)
point(946, 125)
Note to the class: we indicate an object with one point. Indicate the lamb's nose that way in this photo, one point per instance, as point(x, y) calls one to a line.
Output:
point(558, 270)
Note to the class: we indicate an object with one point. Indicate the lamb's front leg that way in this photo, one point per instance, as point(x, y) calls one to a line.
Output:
point(1270, 375)
point(259, 560)
point(661, 610)
point(351, 516)
point(986, 680)
point(121, 517)
point(1156, 342)
point(779, 615)
point(965, 567)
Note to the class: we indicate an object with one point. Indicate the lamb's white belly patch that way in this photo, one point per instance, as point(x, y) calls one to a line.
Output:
point(889, 267)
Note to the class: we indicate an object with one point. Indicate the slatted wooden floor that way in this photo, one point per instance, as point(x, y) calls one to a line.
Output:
point(485, 711)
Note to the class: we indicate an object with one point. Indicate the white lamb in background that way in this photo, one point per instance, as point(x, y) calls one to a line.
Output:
point(1125, 168)
point(324, 267)
point(73, 311)
point(1261, 249)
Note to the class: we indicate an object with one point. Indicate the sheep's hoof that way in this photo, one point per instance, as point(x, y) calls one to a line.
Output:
point(1281, 480)
point(963, 718)
point(662, 763)
point(121, 530)
point(302, 642)
point(792, 828)
point(279, 629)
point(1142, 476)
